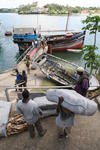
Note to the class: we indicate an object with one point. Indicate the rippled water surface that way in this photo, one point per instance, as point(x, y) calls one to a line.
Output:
point(9, 50)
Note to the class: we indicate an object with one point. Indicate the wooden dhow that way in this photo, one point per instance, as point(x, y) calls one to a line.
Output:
point(68, 41)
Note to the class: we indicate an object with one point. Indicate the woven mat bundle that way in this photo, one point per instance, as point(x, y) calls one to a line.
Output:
point(16, 124)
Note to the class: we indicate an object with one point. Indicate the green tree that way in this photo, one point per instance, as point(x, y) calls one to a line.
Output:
point(93, 26)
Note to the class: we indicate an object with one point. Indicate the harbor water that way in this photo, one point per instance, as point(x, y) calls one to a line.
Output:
point(9, 51)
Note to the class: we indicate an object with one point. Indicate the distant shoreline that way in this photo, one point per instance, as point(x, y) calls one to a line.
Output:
point(53, 14)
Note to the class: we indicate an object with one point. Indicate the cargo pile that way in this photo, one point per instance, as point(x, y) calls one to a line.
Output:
point(94, 94)
point(16, 124)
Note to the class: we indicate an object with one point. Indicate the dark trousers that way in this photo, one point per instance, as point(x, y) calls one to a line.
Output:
point(18, 84)
point(39, 128)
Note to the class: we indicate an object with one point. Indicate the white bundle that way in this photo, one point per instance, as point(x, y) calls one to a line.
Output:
point(44, 104)
point(73, 101)
point(48, 108)
point(5, 108)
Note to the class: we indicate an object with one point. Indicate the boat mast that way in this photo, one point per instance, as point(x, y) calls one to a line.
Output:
point(37, 19)
point(67, 21)
point(37, 9)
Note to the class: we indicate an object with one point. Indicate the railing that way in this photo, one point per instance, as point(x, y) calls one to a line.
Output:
point(23, 54)
point(19, 59)
point(37, 53)
point(59, 31)
point(40, 89)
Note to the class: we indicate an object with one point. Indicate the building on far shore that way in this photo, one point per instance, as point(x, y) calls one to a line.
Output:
point(85, 11)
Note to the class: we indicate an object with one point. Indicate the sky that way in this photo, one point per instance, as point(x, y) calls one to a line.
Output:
point(17, 3)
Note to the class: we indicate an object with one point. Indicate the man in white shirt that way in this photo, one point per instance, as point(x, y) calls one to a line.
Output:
point(31, 113)
point(64, 120)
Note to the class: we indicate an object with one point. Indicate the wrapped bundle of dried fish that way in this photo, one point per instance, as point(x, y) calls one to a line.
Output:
point(16, 124)
point(94, 93)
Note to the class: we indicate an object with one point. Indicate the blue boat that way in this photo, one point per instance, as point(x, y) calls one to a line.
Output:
point(24, 37)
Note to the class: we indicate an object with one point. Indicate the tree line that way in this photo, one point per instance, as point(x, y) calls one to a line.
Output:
point(51, 9)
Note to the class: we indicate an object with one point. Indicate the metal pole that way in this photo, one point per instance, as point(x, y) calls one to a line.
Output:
point(37, 21)
point(67, 21)
point(35, 78)
point(7, 95)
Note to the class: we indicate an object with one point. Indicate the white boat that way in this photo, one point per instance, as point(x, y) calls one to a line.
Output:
point(62, 71)
point(74, 50)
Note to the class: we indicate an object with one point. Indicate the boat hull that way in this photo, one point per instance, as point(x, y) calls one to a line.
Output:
point(62, 71)
point(73, 45)
point(24, 37)
point(63, 43)
point(8, 33)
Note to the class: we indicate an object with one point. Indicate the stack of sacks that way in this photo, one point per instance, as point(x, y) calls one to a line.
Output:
point(48, 108)
point(5, 108)
point(73, 101)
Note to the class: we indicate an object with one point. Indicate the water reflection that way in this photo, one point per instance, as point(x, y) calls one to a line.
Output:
point(9, 51)
point(18, 56)
point(70, 56)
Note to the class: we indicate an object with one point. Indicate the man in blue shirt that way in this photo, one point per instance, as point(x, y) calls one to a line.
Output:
point(18, 79)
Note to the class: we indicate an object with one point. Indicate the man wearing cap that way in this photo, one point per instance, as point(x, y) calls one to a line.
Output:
point(83, 82)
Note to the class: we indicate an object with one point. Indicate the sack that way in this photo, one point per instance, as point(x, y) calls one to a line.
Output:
point(44, 104)
point(73, 101)
point(4, 114)
point(48, 108)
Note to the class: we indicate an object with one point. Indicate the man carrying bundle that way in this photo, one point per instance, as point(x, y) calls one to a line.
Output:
point(64, 120)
